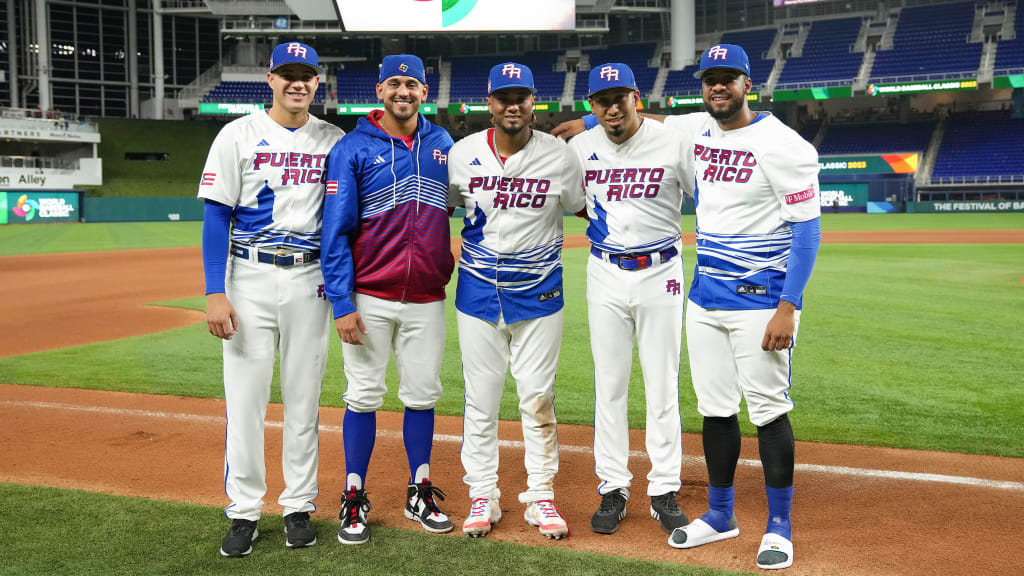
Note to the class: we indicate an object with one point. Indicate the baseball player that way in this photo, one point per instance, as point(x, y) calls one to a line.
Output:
point(633, 180)
point(758, 232)
point(264, 174)
point(387, 258)
point(514, 183)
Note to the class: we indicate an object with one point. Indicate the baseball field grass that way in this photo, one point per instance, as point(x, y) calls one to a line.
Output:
point(50, 238)
point(81, 533)
point(911, 346)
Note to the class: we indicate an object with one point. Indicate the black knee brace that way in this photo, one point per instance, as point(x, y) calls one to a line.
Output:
point(721, 449)
point(775, 442)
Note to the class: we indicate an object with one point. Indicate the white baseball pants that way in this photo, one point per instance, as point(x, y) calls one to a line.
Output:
point(648, 303)
point(415, 331)
point(278, 309)
point(532, 346)
point(727, 363)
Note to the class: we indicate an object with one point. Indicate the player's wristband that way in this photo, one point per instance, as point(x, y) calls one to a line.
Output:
point(216, 224)
point(589, 121)
point(802, 253)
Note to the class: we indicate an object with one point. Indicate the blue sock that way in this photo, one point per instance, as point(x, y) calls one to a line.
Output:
point(720, 503)
point(418, 434)
point(359, 430)
point(780, 502)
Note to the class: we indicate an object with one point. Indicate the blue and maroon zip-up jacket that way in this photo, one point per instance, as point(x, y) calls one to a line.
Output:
point(385, 227)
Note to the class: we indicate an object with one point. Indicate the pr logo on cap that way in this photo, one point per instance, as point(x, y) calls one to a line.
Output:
point(609, 73)
point(510, 70)
point(297, 49)
point(718, 53)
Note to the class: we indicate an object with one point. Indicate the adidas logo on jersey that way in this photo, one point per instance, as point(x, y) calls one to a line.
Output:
point(263, 143)
point(475, 162)
point(707, 134)
point(593, 156)
point(378, 160)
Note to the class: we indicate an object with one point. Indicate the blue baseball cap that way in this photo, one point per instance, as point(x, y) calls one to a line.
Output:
point(610, 75)
point(294, 53)
point(724, 56)
point(510, 75)
point(402, 65)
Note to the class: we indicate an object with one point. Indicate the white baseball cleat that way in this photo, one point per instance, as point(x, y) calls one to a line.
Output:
point(699, 532)
point(775, 552)
point(544, 515)
point(484, 514)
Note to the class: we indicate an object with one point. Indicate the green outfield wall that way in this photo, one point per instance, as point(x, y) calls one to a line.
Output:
point(142, 209)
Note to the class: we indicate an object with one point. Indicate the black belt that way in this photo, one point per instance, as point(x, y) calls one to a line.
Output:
point(635, 261)
point(282, 260)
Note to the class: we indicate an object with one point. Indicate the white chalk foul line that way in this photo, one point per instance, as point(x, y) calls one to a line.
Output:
point(511, 444)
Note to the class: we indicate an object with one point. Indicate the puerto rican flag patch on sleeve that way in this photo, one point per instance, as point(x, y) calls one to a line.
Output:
point(331, 187)
point(208, 178)
point(801, 196)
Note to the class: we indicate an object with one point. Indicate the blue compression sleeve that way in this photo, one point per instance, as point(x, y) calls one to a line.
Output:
point(802, 253)
point(590, 120)
point(216, 224)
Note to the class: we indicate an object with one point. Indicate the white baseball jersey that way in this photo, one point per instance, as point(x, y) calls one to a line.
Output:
point(512, 241)
point(272, 177)
point(750, 183)
point(633, 190)
point(634, 194)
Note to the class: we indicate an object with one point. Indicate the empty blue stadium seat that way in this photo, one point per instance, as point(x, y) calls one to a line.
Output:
point(931, 40)
point(255, 92)
point(876, 138)
point(979, 144)
point(827, 54)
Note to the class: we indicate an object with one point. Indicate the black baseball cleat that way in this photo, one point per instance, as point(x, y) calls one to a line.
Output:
point(612, 510)
point(238, 541)
point(666, 511)
point(299, 530)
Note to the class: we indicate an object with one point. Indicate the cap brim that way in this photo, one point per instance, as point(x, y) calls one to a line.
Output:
point(507, 86)
point(701, 72)
point(310, 66)
point(381, 81)
point(591, 95)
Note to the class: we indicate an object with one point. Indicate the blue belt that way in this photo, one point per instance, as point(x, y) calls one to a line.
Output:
point(635, 261)
point(282, 260)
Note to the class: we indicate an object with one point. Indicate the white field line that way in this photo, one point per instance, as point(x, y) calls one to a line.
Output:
point(511, 444)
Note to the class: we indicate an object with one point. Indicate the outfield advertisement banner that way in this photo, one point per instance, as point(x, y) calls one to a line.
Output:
point(1012, 81)
point(364, 109)
point(691, 101)
point(869, 164)
point(920, 87)
point(232, 108)
point(967, 206)
point(39, 207)
point(849, 195)
point(822, 93)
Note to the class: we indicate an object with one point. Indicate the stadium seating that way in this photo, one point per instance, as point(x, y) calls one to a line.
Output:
point(1010, 53)
point(827, 57)
point(257, 92)
point(930, 40)
point(876, 138)
point(978, 145)
point(359, 85)
point(469, 75)
point(636, 56)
